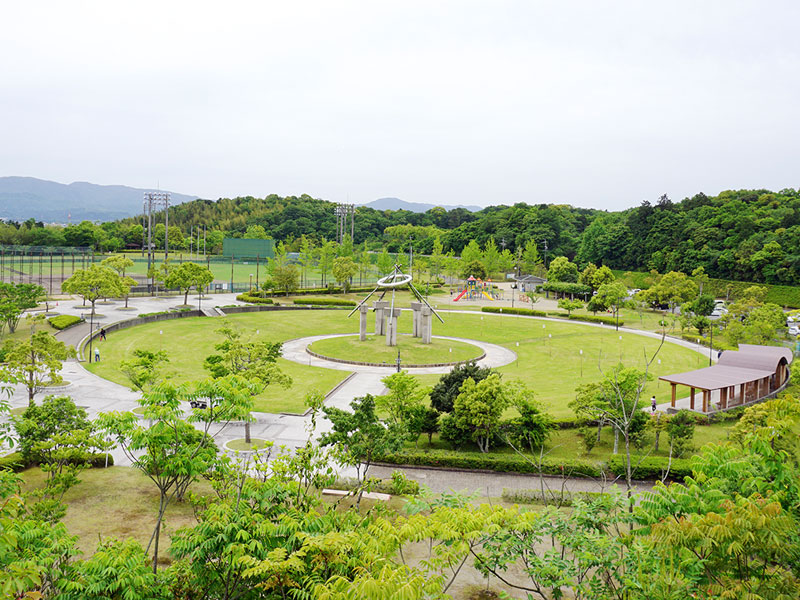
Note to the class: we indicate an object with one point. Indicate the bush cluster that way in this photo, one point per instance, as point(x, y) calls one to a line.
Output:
point(596, 319)
point(564, 287)
point(397, 485)
point(63, 321)
point(13, 462)
point(325, 301)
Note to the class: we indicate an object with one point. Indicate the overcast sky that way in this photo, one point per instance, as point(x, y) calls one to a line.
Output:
point(596, 104)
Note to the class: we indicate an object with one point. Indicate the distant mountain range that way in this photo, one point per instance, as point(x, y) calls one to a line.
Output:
point(417, 207)
point(22, 198)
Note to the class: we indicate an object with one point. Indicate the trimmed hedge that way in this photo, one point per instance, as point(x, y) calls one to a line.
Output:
point(514, 311)
point(506, 463)
point(63, 321)
point(253, 299)
point(165, 312)
point(13, 462)
point(536, 496)
point(325, 301)
point(652, 467)
point(596, 319)
point(719, 342)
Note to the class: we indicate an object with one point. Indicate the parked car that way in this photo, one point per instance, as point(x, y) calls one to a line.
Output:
point(794, 330)
point(200, 403)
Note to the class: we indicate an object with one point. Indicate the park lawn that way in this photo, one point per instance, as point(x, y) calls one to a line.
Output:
point(117, 502)
point(188, 341)
point(23, 330)
point(552, 366)
point(412, 350)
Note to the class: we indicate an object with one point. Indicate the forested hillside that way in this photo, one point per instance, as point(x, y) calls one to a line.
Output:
point(749, 235)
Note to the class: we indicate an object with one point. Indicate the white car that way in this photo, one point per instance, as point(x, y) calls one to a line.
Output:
point(794, 330)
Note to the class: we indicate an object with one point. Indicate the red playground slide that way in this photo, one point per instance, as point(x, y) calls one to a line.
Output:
point(457, 298)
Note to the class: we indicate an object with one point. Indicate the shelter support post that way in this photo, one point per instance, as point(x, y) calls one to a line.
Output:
point(691, 399)
point(706, 398)
point(674, 394)
point(723, 398)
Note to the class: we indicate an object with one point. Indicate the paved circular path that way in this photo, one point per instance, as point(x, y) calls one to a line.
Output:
point(295, 350)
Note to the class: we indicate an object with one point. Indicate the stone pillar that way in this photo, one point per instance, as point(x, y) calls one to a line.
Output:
point(391, 326)
point(426, 324)
point(362, 322)
point(416, 330)
point(380, 316)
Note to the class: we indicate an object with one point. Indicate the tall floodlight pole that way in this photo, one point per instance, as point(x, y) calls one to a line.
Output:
point(153, 202)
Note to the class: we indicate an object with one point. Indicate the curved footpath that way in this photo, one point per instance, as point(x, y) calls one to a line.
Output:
point(96, 395)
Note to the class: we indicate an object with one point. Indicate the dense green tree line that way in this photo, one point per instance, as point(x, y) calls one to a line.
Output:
point(749, 235)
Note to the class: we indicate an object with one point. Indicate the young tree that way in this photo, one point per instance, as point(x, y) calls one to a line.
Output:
point(364, 262)
point(478, 408)
point(602, 276)
point(613, 295)
point(188, 275)
point(437, 259)
point(385, 262)
point(120, 263)
point(531, 259)
point(15, 298)
point(533, 426)
point(361, 435)
point(472, 252)
point(35, 361)
point(146, 369)
point(569, 305)
point(587, 275)
point(325, 255)
point(253, 361)
point(168, 452)
point(306, 257)
point(39, 423)
point(474, 269)
point(285, 277)
point(343, 270)
point(404, 395)
point(491, 257)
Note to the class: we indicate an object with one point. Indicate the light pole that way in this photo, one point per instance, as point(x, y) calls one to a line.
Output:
point(398, 360)
point(251, 282)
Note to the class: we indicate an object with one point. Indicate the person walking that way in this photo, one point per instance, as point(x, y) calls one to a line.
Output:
point(103, 335)
point(96, 354)
point(653, 404)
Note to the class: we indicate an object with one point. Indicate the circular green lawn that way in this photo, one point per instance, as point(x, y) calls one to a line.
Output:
point(412, 351)
point(549, 353)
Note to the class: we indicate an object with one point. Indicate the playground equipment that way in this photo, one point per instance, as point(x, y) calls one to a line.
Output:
point(474, 289)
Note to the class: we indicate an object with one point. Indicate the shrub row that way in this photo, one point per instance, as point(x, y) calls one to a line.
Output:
point(596, 319)
point(314, 291)
point(15, 462)
point(652, 467)
point(12, 462)
point(507, 463)
point(325, 301)
point(63, 321)
point(719, 344)
point(514, 311)
point(382, 486)
point(165, 312)
point(537, 497)
point(253, 299)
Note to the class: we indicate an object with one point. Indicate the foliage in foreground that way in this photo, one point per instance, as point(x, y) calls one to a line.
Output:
point(729, 531)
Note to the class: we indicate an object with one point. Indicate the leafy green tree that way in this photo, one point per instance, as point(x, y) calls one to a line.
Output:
point(56, 415)
point(612, 295)
point(437, 260)
point(169, 452)
point(672, 289)
point(531, 259)
point(145, 369)
point(360, 435)
point(286, 277)
point(306, 257)
point(443, 394)
point(188, 275)
point(343, 270)
point(404, 394)
point(474, 269)
point(479, 407)
point(15, 299)
point(471, 252)
point(492, 259)
point(561, 269)
point(569, 305)
point(120, 263)
point(587, 275)
point(254, 361)
point(95, 282)
point(533, 426)
point(256, 232)
point(681, 433)
point(385, 262)
point(325, 255)
point(364, 261)
point(602, 276)
point(35, 361)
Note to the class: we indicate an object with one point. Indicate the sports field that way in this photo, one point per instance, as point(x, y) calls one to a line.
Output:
point(549, 353)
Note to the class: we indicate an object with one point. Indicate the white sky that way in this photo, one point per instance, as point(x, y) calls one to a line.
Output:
point(595, 103)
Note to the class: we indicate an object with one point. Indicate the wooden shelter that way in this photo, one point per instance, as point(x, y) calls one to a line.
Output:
point(740, 377)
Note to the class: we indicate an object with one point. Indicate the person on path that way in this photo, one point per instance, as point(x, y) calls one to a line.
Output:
point(653, 404)
point(103, 335)
point(96, 354)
